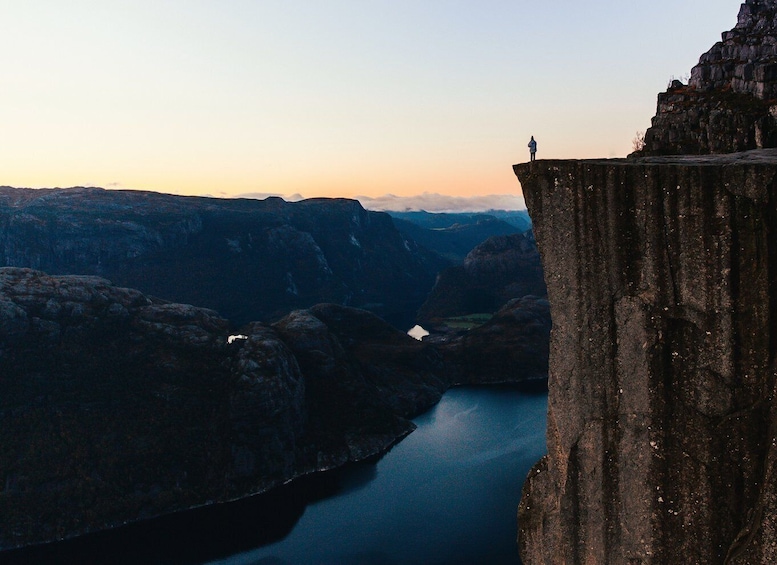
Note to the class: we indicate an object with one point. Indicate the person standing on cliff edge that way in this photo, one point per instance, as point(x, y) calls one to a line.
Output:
point(532, 148)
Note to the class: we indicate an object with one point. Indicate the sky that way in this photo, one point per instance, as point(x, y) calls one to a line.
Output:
point(331, 98)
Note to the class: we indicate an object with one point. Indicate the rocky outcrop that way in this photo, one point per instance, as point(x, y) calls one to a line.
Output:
point(247, 259)
point(496, 271)
point(746, 59)
point(730, 102)
point(662, 280)
point(117, 407)
point(364, 378)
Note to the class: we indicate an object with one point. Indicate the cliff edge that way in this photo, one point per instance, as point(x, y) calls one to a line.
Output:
point(662, 424)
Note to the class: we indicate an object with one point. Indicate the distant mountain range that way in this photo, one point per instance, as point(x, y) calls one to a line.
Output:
point(440, 220)
point(245, 258)
point(430, 202)
point(454, 235)
point(441, 203)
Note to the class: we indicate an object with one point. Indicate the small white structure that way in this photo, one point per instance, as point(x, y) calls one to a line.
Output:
point(418, 333)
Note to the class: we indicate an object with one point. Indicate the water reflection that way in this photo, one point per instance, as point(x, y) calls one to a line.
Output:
point(189, 538)
point(447, 494)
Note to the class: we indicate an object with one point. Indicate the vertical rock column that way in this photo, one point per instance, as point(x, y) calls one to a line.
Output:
point(661, 279)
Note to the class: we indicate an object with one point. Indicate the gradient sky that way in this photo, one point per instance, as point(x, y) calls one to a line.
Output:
point(331, 98)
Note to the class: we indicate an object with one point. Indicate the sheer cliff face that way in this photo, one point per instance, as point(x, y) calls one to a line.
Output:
point(662, 279)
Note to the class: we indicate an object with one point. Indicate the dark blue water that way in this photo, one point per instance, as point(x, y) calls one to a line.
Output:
point(447, 494)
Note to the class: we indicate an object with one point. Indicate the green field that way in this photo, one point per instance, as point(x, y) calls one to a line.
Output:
point(467, 322)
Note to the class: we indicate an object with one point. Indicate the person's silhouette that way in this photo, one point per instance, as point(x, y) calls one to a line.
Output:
point(532, 148)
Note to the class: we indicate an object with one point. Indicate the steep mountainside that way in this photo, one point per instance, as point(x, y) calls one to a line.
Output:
point(662, 279)
point(117, 407)
point(248, 259)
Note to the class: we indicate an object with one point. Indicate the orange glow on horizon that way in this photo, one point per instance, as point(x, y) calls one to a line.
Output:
point(331, 184)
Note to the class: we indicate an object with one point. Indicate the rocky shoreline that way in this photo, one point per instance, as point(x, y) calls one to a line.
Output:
point(118, 407)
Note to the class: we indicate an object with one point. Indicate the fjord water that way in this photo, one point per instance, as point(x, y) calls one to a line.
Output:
point(447, 494)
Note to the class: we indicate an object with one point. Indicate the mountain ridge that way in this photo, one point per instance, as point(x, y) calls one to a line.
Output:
point(248, 259)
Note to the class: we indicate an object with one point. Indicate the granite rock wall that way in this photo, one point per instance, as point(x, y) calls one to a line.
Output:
point(662, 422)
